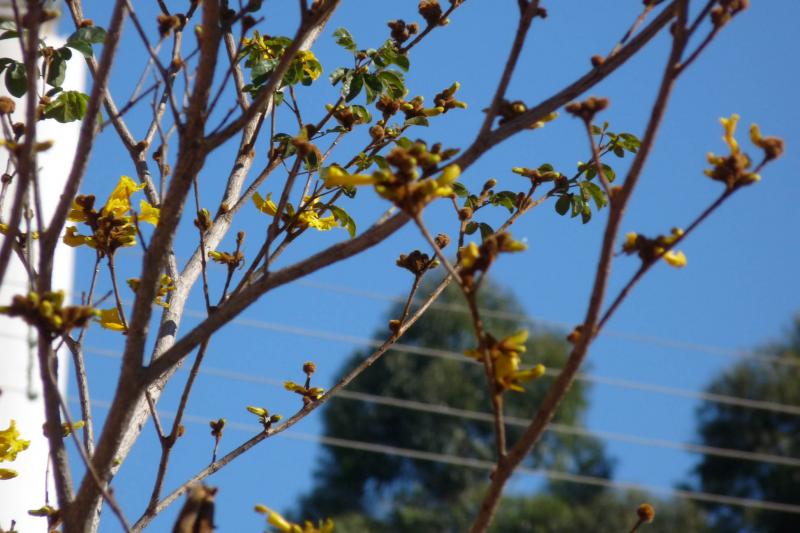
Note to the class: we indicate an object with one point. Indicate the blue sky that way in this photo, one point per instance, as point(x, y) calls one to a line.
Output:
point(738, 291)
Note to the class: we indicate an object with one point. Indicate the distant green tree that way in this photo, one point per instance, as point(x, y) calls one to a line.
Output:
point(377, 487)
point(750, 429)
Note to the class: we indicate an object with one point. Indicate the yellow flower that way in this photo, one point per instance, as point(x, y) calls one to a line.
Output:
point(265, 206)
point(77, 213)
point(311, 66)
point(276, 520)
point(676, 259)
point(10, 443)
point(540, 123)
point(336, 176)
point(730, 128)
point(148, 213)
point(119, 202)
point(514, 343)
point(469, 254)
point(74, 239)
point(110, 319)
point(773, 146)
point(630, 242)
point(292, 386)
point(258, 411)
point(311, 218)
point(7, 473)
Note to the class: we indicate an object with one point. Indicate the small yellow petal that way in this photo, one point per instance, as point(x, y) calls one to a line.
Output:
point(336, 176)
point(265, 206)
point(148, 213)
point(110, 319)
point(7, 473)
point(676, 259)
point(449, 175)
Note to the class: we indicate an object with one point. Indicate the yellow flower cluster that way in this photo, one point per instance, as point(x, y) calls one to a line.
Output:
point(47, 312)
point(651, 249)
point(281, 524)
point(506, 360)
point(309, 217)
point(474, 258)
point(403, 185)
point(261, 48)
point(113, 226)
point(10, 446)
point(734, 169)
point(309, 394)
point(165, 286)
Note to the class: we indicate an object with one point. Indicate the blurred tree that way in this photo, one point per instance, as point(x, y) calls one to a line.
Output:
point(754, 430)
point(412, 495)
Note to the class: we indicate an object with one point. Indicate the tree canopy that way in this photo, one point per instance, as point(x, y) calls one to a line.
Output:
point(753, 429)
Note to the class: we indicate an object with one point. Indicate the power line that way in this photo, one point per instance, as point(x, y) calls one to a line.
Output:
point(763, 405)
point(446, 410)
point(517, 317)
point(481, 464)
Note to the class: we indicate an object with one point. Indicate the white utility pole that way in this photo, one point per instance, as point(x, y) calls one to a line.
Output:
point(20, 386)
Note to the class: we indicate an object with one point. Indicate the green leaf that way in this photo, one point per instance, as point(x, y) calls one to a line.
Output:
point(338, 75)
point(58, 67)
point(393, 82)
point(486, 230)
point(261, 71)
point(577, 205)
point(609, 173)
point(374, 87)
point(586, 213)
point(381, 162)
point(596, 194)
point(362, 113)
point(9, 34)
point(416, 121)
point(619, 151)
point(345, 39)
point(16, 79)
point(459, 189)
point(506, 199)
point(68, 107)
point(471, 227)
point(89, 34)
point(562, 204)
point(352, 86)
point(81, 46)
point(401, 60)
point(344, 219)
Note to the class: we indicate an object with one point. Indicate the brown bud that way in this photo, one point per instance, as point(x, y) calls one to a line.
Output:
point(394, 326)
point(442, 241)
point(597, 60)
point(309, 367)
point(465, 213)
point(489, 184)
point(431, 11)
point(86, 23)
point(646, 512)
point(7, 105)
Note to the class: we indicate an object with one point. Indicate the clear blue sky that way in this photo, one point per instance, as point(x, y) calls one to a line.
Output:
point(738, 291)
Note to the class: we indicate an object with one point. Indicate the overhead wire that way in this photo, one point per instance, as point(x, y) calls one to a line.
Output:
point(723, 399)
point(446, 410)
point(521, 318)
point(482, 464)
